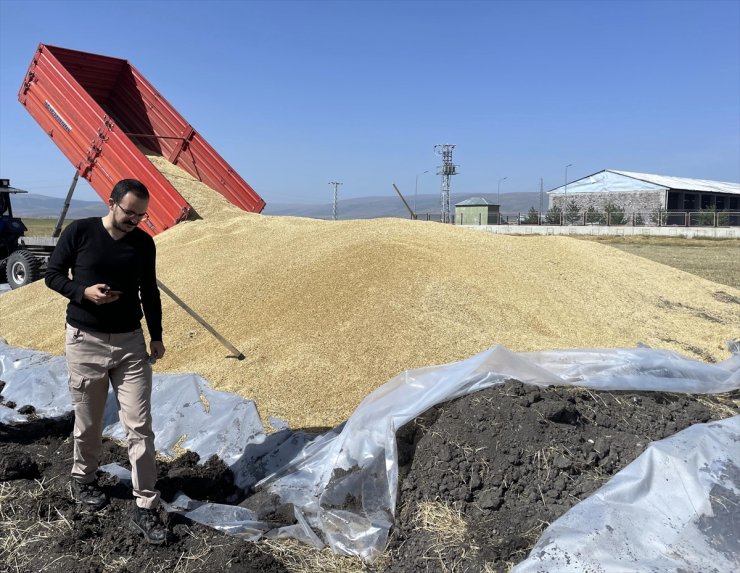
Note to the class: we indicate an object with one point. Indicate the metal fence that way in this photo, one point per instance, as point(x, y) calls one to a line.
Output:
point(657, 218)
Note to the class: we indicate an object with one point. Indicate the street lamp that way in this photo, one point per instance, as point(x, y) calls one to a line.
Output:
point(498, 195)
point(416, 188)
point(566, 180)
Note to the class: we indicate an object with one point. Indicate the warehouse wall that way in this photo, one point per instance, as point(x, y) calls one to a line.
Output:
point(643, 201)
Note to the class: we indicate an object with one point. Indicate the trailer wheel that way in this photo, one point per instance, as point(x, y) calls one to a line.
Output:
point(22, 268)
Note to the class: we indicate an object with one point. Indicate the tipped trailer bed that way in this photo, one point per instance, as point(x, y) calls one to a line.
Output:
point(99, 109)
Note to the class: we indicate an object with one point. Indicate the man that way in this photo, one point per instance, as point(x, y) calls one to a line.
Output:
point(112, 264)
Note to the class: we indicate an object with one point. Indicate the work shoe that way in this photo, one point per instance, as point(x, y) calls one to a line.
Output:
point(89, 495)
point(148, 523)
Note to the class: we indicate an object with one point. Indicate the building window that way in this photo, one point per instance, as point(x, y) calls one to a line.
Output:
point(673, 201)
point(720, 203)
point(706, 201)
point(733, 203)
point(689, 201)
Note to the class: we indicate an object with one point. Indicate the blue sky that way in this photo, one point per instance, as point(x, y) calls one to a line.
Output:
point(296, 94)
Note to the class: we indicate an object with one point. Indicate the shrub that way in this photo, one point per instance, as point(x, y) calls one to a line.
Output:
point(594, 216)
point(707, 217)
point(572, 212)
point(658, 216)
point(533, 216)
point(554, 216)
point(614, 214)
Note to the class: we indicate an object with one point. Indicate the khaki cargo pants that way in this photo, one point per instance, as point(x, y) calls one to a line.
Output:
point(94, 360)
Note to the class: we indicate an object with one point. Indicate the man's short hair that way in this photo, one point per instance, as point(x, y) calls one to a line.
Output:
point(128, 186)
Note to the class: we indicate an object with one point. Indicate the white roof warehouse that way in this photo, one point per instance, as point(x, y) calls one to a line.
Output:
point(645, 191)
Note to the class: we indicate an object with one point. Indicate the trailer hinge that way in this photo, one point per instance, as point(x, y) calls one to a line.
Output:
point(96, 146)
point(29, 79)
point(182, 147)
point(27, 83)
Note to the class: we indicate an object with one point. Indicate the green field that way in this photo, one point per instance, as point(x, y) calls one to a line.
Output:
point(717, 260)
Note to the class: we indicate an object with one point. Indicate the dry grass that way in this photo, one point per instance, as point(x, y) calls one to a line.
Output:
point(450, 546)
point(298, 557)
point(722, 405)
point(21, 540)
point(326, 311)
point(41, 227)
point(450, 538)
point(717, 260)
point(443, 521)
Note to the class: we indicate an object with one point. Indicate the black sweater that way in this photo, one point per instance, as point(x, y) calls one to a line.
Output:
point(126, 264)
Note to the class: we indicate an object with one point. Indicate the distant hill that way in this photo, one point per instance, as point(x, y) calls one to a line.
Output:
point(40, 206)
point(392, 206)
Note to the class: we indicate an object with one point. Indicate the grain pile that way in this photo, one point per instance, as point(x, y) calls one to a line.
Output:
point(326, 311)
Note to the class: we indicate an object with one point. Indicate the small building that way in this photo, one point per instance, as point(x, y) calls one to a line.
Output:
point(644, 192)
point(476, 211)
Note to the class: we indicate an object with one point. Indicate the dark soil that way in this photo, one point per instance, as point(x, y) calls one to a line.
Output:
point(508, 460)
point(37, 457)
point(513, 458)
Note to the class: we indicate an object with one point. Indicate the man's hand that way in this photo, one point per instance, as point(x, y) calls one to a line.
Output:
point(101, 293)
point(156, 350)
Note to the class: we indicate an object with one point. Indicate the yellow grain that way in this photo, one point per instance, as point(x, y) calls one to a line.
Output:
point(326, 311)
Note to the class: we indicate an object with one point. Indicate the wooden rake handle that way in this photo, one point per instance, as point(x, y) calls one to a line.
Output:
point(201, 321)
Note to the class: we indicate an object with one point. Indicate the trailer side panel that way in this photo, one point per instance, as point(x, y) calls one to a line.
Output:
point(100, 111)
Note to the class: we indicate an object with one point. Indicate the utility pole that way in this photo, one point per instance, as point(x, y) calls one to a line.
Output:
point(446, 170)
point(541, 196)
point(416, 188)
point(336, 193)
point(498, 192)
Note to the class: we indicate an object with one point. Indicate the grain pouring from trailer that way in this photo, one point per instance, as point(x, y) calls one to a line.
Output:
point(100, 111)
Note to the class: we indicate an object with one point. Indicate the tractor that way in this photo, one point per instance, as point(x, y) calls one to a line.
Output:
point(22, 259)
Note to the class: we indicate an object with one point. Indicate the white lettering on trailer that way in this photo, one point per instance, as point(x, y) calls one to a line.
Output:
point(55, 114)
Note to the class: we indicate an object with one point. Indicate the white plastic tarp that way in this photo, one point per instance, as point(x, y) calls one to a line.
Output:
point(358, 459)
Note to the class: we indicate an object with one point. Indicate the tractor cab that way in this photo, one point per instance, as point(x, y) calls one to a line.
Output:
point(19, 265)
point(11, 228)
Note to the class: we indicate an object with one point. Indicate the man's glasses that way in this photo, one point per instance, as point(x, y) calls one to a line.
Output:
point(134, 215)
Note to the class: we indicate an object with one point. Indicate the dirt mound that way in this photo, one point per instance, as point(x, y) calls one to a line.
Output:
point(480, 478)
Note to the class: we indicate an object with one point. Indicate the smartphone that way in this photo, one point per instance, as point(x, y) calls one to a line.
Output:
point(108, 290)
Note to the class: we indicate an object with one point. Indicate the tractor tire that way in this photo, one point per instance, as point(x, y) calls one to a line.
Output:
point(22, 268)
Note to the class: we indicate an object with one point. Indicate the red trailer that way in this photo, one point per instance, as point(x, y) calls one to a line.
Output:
point(97, 109)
